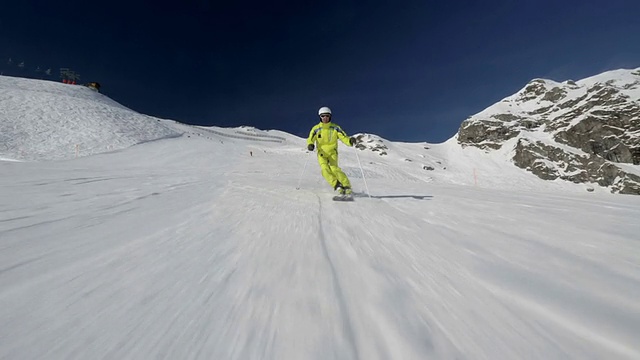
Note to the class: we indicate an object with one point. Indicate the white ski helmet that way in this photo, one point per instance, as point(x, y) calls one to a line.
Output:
point(324, 110)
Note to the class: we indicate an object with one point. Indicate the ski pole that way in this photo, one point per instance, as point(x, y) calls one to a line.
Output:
point(362, 171)
point(303, 169)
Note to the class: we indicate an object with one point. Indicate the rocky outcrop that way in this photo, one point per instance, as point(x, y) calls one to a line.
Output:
point(371, 142)
point(581, 131)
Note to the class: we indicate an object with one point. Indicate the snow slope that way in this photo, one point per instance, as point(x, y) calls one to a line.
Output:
point(44, 120)
point(191, 248)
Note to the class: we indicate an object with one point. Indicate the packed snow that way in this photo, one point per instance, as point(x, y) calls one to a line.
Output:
point(168, 241)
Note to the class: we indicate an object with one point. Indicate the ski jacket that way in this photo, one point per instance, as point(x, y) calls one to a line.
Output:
point(326, 137)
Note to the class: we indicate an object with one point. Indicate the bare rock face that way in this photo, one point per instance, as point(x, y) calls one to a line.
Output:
point(372, 143)
point(586, 131)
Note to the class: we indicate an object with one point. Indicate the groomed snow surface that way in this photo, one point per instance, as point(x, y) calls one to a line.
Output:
point(189, 247)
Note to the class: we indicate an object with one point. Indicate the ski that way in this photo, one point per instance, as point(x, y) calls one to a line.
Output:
point(343, 198)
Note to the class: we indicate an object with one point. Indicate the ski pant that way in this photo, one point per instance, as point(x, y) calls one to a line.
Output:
point(330, 169)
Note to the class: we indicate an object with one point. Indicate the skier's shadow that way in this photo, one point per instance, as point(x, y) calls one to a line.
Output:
point(417, 197)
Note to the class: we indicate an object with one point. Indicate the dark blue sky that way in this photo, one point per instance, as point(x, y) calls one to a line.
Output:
point(405, 70)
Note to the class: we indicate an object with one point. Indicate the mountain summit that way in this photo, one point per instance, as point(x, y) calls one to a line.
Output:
point(581, 131)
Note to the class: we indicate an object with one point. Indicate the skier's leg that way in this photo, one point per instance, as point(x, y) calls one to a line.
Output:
point(338, 173)
point(326, 170)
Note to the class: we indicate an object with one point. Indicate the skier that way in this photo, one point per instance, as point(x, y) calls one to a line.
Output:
point(326, 135)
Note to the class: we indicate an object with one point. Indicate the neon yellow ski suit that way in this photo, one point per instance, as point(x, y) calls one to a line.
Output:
point(326, 138)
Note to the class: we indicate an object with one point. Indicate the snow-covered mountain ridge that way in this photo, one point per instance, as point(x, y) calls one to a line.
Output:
point(585, 131)
point(44, 120)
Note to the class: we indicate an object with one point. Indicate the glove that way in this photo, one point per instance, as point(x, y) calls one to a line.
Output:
point(352, 141)
point(310, 147)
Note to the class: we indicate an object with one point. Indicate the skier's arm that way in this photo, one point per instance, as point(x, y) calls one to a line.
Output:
point(312, 136)
point(343, 136)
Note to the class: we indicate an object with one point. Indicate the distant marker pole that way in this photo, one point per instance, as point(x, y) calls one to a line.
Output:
point(475, 177)
point(77, 150)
